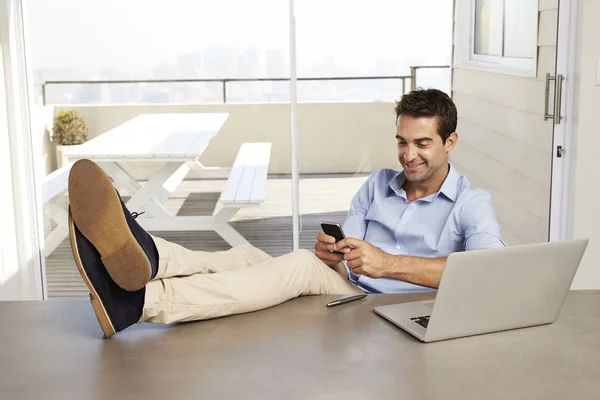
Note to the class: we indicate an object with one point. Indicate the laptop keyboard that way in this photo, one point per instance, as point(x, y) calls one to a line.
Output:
point(423, 321)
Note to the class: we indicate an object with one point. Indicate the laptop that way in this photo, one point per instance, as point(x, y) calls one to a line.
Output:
point(493, 290)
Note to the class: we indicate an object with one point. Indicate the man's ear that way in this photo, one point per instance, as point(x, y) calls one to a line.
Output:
point(451, 141)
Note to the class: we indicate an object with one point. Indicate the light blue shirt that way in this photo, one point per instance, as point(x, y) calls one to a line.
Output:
point(456, 218)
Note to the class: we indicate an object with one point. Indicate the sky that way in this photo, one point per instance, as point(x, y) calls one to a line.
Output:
point(134, 33)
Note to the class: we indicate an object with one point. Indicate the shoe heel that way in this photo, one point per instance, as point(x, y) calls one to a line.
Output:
point(102, 316)
point(129, 267)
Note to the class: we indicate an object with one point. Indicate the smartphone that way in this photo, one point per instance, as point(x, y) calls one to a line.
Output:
point(333, 229)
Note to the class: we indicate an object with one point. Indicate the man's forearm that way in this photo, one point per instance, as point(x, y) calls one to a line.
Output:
point(417, 270)
point(340, 268)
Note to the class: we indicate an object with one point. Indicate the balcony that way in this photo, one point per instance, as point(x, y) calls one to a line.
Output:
point(339, 144)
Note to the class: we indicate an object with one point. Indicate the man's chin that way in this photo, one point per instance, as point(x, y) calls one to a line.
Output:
point(414, 176)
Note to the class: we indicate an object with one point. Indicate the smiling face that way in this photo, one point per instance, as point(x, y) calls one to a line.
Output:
point(421, 151)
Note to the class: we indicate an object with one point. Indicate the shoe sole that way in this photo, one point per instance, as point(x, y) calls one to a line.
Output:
point(97, 211)
point(99, 310)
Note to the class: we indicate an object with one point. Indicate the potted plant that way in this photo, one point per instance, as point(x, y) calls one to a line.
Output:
point(69, 129)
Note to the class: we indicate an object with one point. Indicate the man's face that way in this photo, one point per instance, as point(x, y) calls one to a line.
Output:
point(420, 148)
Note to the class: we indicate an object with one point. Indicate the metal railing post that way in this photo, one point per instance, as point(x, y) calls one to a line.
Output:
point(413, 78)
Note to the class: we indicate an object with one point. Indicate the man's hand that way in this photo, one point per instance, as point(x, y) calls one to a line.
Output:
point(366, 259)
point(324, 249)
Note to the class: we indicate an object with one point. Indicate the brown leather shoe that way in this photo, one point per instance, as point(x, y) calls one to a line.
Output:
point(96, 210)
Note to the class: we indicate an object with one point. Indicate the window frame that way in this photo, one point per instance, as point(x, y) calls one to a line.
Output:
point(465, 45)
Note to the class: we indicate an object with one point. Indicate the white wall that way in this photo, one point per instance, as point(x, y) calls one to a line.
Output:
point(584, 207)
point(505, 146)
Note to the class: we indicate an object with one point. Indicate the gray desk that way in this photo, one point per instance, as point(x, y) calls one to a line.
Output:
point(298, 350)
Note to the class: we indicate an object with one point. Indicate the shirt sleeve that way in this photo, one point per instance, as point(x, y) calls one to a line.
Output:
point(355, 225)
point(479, 224)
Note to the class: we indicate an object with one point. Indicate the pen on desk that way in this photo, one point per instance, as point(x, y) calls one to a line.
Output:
point(346, 300)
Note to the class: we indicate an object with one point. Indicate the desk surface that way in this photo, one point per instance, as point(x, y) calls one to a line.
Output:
point(298, 350)
point(153, 137)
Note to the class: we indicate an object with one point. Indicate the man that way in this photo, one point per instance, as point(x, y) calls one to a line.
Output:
point(410, 221)
point(400, 228)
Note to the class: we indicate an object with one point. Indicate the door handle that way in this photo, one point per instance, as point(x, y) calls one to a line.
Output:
point(558, 81)
point(547, 97)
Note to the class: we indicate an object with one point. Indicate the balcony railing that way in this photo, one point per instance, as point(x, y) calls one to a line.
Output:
point(224, 81)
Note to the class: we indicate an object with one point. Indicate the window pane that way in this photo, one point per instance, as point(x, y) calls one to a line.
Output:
point(112, 40)
point(166, 57)
point(482, 27)
point(363, 39)
point(346, 127)
point(520, 28)
point(488, 27)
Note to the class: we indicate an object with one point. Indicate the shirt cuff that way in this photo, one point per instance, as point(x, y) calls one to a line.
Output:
point(352, 277)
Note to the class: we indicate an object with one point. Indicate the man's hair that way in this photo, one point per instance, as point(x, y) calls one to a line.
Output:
point(430, 103)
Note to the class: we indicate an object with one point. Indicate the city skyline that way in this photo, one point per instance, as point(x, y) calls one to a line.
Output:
point(134, 39)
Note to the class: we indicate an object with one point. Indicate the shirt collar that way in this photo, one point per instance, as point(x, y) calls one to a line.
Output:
point(395, 184)
point(450, 184)
point(448, 188)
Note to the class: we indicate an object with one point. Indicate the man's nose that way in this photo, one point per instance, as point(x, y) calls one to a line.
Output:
point(411, 153)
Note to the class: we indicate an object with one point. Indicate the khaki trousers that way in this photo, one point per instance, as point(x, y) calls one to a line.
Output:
point(194, 285)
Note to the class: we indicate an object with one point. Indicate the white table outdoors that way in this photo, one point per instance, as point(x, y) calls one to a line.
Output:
point(176, 141)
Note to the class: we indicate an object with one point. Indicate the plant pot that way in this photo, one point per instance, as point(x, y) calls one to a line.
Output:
point(61, 151)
